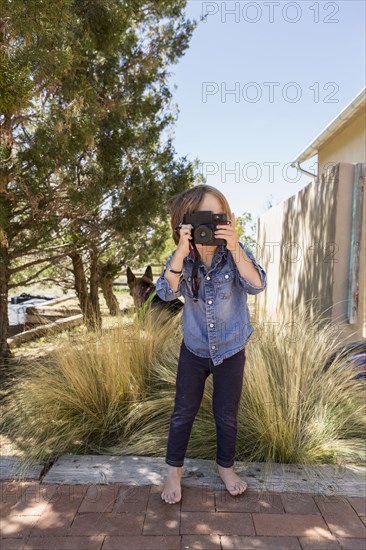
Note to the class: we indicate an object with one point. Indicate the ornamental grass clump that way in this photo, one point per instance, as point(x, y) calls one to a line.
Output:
point(291, 411)
point(114, 394)
point(77, 398)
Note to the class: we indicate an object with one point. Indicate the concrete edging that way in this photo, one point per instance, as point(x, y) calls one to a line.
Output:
point(325, 479)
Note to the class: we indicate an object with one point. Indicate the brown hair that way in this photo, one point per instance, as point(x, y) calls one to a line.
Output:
point(188, 201)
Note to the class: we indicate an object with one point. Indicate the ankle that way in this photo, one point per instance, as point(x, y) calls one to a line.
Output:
point(175, 470)
point(225, 469)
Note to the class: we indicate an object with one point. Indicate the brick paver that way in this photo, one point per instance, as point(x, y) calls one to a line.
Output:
point(64, 543)
point(36, 516)
point(299, 504)
point(147, 542)
point(341, 518)
point(217, 523)
point(359, 504)
point(353, 544)
point(315, 543)
point(291, 525)
point(250, 501)
point(206, 542)
point(259, 543)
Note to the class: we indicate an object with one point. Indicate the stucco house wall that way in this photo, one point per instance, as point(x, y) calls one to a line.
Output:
point(347, 145)
point(304, 244)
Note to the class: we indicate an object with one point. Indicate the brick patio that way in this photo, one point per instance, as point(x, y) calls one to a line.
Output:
point(95, 516)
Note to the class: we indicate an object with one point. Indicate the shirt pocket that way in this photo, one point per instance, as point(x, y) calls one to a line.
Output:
point(224, 284)
point(187, 282)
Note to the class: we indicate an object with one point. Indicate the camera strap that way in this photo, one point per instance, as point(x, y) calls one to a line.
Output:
point(195, 279)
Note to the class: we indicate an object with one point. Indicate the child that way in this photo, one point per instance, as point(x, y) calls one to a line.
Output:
point(214, 281)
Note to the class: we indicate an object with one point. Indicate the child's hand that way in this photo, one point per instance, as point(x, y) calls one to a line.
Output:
point(228, 232)
point(185, 237)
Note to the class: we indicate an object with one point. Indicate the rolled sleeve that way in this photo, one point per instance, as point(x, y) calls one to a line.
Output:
point(249, 287)
point(162, 287)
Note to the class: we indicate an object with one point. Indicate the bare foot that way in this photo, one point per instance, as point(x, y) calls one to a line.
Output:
point(234, 484)
point(172, 492)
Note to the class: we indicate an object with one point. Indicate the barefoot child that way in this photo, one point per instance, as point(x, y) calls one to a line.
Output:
point(214, 281)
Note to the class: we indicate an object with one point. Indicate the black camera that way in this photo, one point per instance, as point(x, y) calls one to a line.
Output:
point(204, 224)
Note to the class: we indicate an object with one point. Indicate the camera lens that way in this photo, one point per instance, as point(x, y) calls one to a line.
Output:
point(202, 234)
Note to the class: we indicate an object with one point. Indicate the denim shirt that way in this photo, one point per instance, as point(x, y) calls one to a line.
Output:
point(218, 324)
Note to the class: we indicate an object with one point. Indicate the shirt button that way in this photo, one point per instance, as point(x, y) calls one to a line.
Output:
point(208, 278)
point(213, 347)
point(211, 324)
point(210, 301)
point(170, 290)
point(226, 276)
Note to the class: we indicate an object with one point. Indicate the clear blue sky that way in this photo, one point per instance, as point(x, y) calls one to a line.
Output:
point(325, 59)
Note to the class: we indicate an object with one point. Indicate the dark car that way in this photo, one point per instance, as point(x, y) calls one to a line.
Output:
point(355, 358)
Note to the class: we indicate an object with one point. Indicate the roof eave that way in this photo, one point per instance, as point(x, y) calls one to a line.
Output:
point(340, 120)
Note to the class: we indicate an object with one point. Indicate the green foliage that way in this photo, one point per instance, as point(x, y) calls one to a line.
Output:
point(16, 86)
point(246, 230)
point(86, 84)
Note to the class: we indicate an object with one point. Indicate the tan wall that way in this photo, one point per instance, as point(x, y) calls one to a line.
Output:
point(304, 246)
point(348, 145)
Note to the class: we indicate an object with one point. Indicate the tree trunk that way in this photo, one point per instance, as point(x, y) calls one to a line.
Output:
point(81, 286)
point(106, 284)
point(89, 303)
point(80, 281)
point(95, 319)
point(6, 143)
point(4, 319)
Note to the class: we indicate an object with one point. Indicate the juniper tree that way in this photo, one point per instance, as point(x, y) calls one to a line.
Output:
point(84, 108)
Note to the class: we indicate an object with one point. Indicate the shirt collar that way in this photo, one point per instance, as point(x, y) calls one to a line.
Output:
point(221, 252)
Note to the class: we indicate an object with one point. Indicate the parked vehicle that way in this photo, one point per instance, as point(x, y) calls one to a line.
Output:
point(23, 297)
point(355, 358)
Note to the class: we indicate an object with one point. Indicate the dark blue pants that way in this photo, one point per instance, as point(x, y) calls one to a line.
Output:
point(190, 383)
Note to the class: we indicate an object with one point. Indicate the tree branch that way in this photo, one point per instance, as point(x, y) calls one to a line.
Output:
point(31, 278)
point(35, 262)
point(30, 250)
point(60, 282)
